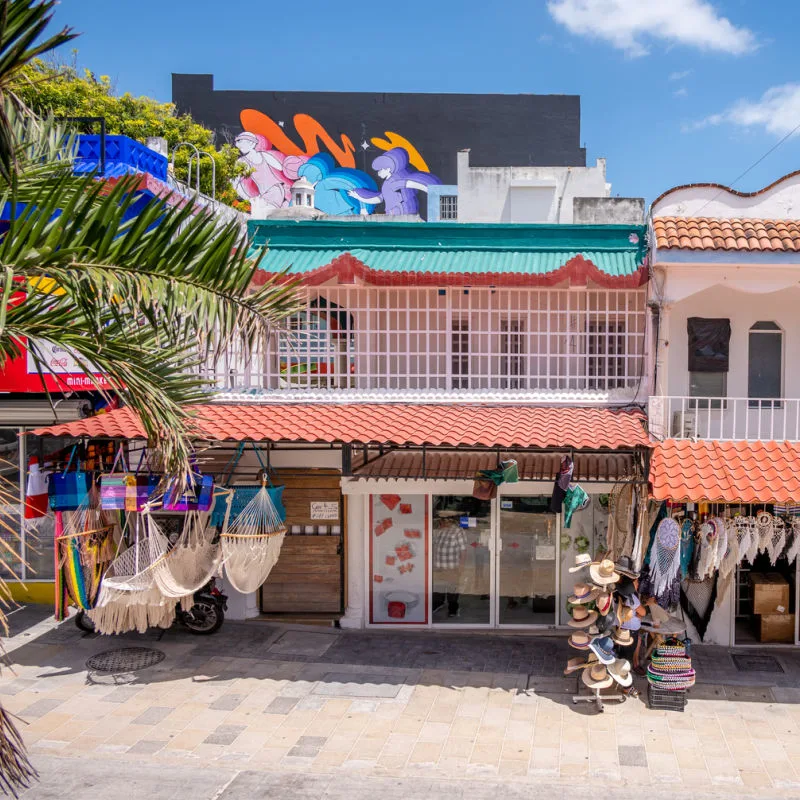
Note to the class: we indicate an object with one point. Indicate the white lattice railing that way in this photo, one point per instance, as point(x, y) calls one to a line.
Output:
point(457, 339)
point(725, 418)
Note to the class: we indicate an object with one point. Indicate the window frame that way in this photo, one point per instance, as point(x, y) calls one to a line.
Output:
point(774, 330)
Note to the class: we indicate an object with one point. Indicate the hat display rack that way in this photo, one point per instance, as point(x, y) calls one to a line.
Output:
point(597, 622)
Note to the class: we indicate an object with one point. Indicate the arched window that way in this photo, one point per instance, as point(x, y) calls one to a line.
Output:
point(765, 363)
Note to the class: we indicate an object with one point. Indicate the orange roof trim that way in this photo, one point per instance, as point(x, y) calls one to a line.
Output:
point(391, 423)
point(725, 472)
point(711, 233)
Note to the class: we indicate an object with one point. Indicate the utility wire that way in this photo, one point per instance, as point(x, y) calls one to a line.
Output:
point(751, 167)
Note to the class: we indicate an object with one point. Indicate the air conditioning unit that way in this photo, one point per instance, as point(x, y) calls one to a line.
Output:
point(684, 424)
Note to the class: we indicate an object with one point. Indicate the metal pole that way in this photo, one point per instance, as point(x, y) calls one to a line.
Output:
point(188, 173)
point(213, 173)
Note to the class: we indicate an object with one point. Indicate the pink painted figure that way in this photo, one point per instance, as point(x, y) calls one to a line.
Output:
point(269, 184)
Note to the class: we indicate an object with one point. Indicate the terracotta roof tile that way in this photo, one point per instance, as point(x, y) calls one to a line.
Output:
point(709, 233)
point(391, 423)
point(747, 472)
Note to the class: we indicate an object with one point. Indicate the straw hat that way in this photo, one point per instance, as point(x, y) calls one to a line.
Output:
point(622, 637)
point(582, 560)
point(597, 677)
point(624, 613)
point(580, 640)
point(603, 573)
point(582, 617)
point(578, 663)
point(604, 649)
point(603, 603)
point(583, 593)
point(620, 671)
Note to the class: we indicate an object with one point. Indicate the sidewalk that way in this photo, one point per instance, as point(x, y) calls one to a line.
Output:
point(485, 709)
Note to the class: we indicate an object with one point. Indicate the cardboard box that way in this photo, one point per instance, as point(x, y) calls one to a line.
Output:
point(770, 593)
point(776, 628)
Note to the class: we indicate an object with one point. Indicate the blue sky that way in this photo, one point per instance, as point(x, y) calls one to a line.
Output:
point(672, 91)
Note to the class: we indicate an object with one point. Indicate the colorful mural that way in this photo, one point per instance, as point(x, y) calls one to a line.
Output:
point(276, 162)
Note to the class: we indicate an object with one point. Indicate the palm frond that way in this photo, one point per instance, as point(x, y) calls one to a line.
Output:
point(22, 24)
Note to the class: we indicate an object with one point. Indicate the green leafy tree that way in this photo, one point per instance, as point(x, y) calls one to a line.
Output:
point(63, 90)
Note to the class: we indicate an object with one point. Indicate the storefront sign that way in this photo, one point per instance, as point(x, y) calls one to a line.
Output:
point(60, 372)
point(325, 511)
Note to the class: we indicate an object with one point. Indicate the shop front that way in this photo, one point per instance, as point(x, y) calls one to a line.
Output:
point(433, 555)
point(734, 503)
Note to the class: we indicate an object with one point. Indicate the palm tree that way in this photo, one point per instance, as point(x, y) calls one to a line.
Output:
point(141, 301)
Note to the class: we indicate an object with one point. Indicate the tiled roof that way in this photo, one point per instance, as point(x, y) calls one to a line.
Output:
point(390, 423)
point(441, 254)
point(710, 233)
point(747, 472)
point(461, 464)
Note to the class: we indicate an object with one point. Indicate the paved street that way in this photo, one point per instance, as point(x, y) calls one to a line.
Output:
point(268, 710)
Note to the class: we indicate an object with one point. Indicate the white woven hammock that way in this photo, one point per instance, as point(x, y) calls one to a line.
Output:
point(730, 558)
point(794, 548)
point(252, 543)
point(140, 588)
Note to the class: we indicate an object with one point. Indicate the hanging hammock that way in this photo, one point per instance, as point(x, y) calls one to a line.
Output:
point(189, 564)
point(252, 543)
point(698, 599)
point(793, 550)
point(777, 542)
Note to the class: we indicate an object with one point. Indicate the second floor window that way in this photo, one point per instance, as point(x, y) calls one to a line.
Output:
point(512, 354)
point(708, 356)
point(460, 354)
point(606, 346)
point(765, 364)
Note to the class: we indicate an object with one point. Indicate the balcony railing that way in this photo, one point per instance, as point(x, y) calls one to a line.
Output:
point(725, 418)
point(359, 339)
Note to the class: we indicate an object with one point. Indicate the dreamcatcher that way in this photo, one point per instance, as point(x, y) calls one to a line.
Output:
point(707, 542)
point(765, 527)
point(742, 530)
point(794, 548)
point(777, 541)
point(721, 547)
point(665, 559)
point(730, 558)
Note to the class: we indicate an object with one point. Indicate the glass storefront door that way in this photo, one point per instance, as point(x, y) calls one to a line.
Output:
point(461, 560)
point(526, 562)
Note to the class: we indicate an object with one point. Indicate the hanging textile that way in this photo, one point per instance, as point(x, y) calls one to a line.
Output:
point(709, 344)
point(619, 539)
point(561, 484)
point(665, 563)
point(730, 558)
point(765, 527)
point(794, 548)
point(252, 543)
point(687, 546)
point(697, 601)
point(777, 541)
point(744, 536)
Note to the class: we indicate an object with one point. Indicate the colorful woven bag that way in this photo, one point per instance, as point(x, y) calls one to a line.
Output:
point(67, 490)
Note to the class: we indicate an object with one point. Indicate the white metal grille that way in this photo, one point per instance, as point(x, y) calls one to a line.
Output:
point(448, 206)
point(366, 338)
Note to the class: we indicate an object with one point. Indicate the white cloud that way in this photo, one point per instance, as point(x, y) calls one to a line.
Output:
point(679, 76)
point(682, 92)
point(626, 23)
point(777, 111)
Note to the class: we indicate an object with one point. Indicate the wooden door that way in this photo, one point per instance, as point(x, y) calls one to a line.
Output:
point(308, 575)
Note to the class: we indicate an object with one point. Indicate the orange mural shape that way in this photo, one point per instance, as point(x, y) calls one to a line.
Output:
point(396, 140)
point(310, 131)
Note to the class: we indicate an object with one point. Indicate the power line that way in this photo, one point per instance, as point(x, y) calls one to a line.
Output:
point(752, 166)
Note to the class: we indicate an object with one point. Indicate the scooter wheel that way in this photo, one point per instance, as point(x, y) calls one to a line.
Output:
point(204, 618)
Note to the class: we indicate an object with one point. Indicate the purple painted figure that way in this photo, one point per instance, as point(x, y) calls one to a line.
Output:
point(400, 183)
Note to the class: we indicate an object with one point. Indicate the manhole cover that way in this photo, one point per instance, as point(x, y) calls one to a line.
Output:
point(747, 663)
point(126, 659)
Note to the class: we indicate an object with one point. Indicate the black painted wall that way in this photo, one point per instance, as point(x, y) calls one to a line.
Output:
point(499, 129)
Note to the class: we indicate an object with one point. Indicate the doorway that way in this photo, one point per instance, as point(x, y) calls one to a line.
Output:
point(493, 563)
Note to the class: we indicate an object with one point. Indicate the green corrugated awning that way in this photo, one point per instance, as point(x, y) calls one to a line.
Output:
point(405, 252)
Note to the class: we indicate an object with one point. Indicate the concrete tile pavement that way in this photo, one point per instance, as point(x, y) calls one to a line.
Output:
point(389, 714)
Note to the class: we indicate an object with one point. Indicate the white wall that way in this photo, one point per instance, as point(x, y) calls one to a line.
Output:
point(743, 309)
point(525, 194)
point(781, 201)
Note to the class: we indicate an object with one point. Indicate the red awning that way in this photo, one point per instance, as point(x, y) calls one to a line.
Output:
point(451, 424)
point(726, 472)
